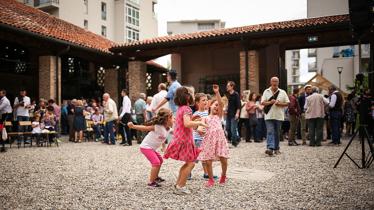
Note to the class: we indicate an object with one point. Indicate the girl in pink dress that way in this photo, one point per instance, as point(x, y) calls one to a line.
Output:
point(214, 146)
point(182, 147)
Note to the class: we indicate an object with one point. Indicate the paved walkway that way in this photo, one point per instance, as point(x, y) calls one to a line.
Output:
point(91, 175)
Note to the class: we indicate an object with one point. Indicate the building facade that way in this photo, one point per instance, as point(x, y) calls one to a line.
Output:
point(189, 26)
point(117, 20)
point(293, 68)
point(327, 60)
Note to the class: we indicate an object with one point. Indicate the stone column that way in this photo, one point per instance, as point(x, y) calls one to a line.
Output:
point(253, 71)
point(50, 78)
point(137, 78)
point(111, 83)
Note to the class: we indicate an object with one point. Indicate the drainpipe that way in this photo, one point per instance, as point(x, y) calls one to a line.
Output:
point(58, 54)
point(246, 73)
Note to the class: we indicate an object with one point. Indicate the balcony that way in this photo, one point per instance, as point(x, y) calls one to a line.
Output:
point(46, 5)
point(312, 66)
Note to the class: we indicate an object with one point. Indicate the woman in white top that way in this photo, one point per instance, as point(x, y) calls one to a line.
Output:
point(244, 120)
point(159, 128)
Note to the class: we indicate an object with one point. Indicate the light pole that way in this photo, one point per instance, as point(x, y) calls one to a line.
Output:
point(340, 69)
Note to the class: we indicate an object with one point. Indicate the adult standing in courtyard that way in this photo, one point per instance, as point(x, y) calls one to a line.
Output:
point(294, 115)
point(275, 100)
point(141, 114)
point(124, 118)
point(174, 85)
point(21, 108)
point(5, 107)
point(110, 116)
point(233, 112)
point(301, 99)
point(158, 97)
point(336, 112)
point(314, 114)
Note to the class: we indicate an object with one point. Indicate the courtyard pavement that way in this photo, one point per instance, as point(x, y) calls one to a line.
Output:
point(95, 176)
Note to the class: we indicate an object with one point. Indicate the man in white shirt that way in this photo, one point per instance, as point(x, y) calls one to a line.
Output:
point(157, 98)
point(21, 106)
point(124, 118)
point(21, 109)
point(110, 117)
point(277, 99)
point(5, 107)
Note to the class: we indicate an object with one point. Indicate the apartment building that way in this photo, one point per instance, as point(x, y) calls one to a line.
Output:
point(117, 20)
point(189, 26)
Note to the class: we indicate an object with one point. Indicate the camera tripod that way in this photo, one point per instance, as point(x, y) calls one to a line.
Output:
point(366, 160)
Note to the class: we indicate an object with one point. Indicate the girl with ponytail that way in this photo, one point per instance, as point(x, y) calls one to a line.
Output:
point(159, 128)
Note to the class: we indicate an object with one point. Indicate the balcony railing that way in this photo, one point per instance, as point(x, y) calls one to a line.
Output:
point(46, 4)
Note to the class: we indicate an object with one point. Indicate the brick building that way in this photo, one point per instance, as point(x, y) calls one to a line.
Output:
point(52, 58)
point(55, 59)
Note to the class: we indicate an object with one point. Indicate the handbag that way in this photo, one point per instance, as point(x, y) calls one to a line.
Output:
point(268, 107)
point(4, 134)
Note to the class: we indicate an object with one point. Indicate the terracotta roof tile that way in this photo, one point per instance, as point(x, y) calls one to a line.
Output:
point(285, 25)
point(18, 15)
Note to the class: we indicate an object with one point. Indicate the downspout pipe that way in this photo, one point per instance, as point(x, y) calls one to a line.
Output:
point(57, 56)
point(246, 65)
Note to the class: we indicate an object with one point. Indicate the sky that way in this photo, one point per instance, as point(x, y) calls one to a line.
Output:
point(233, 12)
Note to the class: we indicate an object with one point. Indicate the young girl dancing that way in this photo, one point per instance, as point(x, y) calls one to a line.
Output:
point(159, 128)
point(214, 146)
point(182, 146)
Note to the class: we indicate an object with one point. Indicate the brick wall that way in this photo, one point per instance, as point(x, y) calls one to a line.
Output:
point(48, 78)
point(137, 78)
point(111, 83)
point(253, 71)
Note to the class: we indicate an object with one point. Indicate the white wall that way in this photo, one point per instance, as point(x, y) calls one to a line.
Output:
point(183, 27)
point(330, 71)
point(148, 21)
point(320, 8)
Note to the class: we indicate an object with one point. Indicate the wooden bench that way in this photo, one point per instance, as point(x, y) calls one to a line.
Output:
point(27, 133)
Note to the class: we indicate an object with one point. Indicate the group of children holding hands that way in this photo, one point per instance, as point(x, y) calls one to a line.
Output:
point(196, 136)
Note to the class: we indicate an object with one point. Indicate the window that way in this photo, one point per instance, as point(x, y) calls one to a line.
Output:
point(85, 23)
point(295, 63)
point(85, 2)
point(205, 26)
point(153, 6)
point(132, 15)
point(312, 52)
point(132, 34)
point(103, 11)
point(295, 54)
point(103, 31)
point(295, 79)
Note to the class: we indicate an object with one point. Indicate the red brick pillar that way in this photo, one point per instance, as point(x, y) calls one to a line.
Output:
point(111, 83)
point(50, 78)
point(253, 71)
point(137, 78)
point(176, 64)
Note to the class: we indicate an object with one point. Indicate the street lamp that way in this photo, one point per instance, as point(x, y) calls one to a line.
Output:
point(340, 69)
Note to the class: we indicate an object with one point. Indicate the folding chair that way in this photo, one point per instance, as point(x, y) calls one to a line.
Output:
point(26, 125)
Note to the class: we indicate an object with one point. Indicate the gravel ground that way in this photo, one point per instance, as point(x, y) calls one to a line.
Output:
point(95, 176)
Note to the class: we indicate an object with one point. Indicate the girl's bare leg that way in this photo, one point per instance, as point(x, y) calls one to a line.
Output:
point(184, 173)
point(223, 165)
point(154, 173)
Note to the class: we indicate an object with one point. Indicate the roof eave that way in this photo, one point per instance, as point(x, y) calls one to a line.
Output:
point(228, 37)
point(55, 40)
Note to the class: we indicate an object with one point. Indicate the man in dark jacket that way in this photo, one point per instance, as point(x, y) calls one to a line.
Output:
point(233, 110)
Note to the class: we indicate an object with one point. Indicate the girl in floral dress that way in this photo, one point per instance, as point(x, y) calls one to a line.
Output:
point(182, 147)
point(215, 146)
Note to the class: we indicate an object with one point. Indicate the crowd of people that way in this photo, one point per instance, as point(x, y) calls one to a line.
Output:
point(199, 127)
